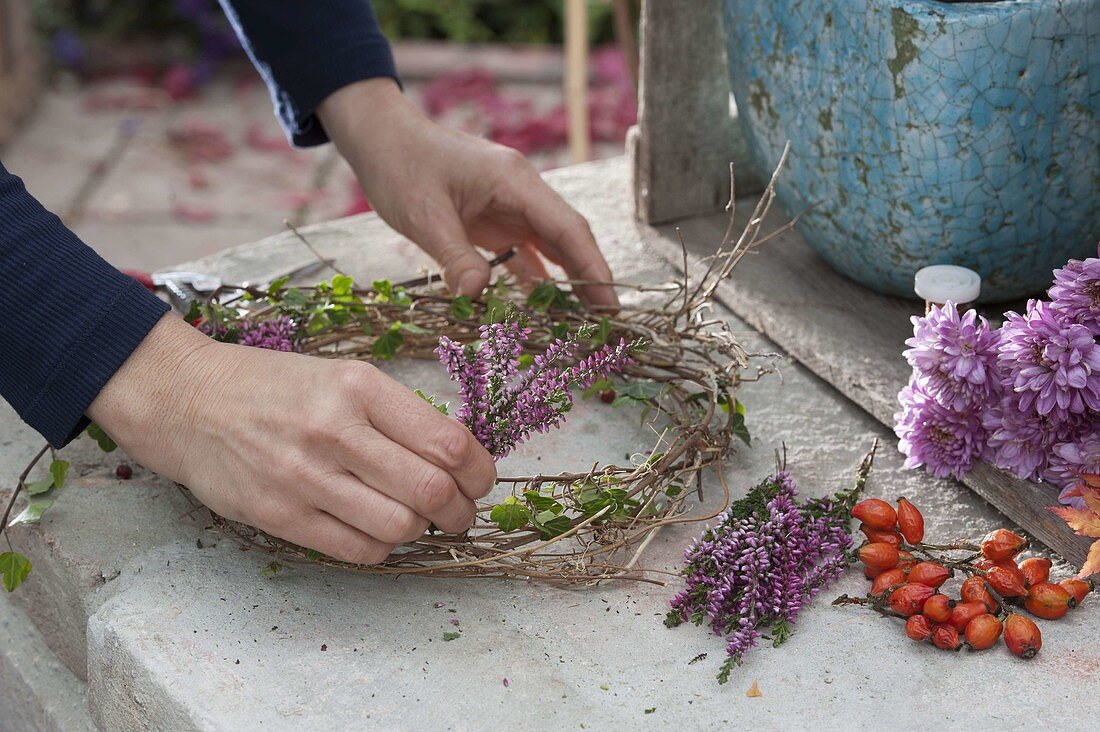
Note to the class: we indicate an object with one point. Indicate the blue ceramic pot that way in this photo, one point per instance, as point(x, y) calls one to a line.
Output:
point(928, 133)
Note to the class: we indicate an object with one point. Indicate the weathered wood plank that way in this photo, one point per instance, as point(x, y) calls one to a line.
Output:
point(19, 68)
point(852, 338)
point(685, 133)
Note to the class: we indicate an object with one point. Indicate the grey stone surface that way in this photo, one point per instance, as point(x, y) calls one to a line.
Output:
point(195, 638)
point(37, 692)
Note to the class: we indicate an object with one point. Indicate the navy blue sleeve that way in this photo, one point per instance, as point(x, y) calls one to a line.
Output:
point(68, 319)
point(306, 50)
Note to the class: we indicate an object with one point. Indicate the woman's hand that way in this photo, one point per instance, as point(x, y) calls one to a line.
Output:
point(331, 455)
point(446, 191)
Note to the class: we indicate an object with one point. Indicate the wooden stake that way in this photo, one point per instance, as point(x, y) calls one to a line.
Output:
point(576, 78)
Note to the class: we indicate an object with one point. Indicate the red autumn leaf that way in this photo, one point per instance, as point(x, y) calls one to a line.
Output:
point(1083, 521)
point(1092, 562)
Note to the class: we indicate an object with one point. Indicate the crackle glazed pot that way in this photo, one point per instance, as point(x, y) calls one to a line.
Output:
point(926, 132)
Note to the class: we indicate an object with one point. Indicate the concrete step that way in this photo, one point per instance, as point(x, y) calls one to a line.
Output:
point(37, 692)
point(174, 636)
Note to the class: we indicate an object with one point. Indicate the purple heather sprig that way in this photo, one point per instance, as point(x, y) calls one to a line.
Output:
point(954, 356)
point(274, 334)
point(501, 405)
point(1052, 365)
point(944, 440)
point(766, 559)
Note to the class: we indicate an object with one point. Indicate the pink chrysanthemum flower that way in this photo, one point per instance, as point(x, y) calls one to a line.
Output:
point(1072, 459)
point(1020, 440)
point(945, 441)
point(955, 356)
point(1075, 293)
point(1053, 366)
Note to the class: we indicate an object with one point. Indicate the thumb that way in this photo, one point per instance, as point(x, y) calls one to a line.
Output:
point(464, 270)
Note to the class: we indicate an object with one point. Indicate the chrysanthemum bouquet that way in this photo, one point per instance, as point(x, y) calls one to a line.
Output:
point(1025, 397)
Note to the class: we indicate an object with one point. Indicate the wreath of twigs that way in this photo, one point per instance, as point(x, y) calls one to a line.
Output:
point(694, 365)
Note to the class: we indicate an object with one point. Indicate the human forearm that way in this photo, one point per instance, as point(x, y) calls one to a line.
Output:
point(70, 318)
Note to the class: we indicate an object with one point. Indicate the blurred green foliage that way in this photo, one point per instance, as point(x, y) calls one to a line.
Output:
point(473, 21)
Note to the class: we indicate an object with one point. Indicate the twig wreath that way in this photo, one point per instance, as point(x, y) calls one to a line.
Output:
point(579, 526)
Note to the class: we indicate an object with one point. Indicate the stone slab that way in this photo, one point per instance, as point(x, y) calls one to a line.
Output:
point(188, 638)
point(37, 692)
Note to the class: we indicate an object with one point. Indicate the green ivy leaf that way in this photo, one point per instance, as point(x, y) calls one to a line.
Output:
point(342, 285)
point(549, 296)
point(442, 407)
point(737, 423)
point(14, 567)
point(413, 328)
point(603, 332)
point(59, 469)
point(638, 391)
point(543, 503)
point(39, 487)
point(387, 344)
point(462, 307)
point(495, 308)
point(551, 524)
point(106, 444)
point(510, 514)
point(450, 636)
point(32, 514)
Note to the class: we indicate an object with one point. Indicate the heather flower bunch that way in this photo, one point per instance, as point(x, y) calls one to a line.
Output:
point(1025, 397)
point(503, 404)
point(768, 556)
point(279, 333)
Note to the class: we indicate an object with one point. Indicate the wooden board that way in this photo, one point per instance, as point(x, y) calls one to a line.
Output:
point(853, 339)
point(685, 136)
point(19, 71)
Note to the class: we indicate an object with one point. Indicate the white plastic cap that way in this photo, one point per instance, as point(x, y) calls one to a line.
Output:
point(942, 282)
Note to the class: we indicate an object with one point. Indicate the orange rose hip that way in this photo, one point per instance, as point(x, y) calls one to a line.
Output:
point(983, 632)
point(1022, 636)
point(910, 521)
point(1049, 601)
point(876, 513)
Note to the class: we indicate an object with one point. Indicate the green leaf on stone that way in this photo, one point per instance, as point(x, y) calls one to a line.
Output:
point(39, 487)
point(14, 567)
point(106, 444)
point(387, 344)
point(462, 307)
point(510, 514)
point(313, 555)
point(59, 469)
point(32, 514)
point(271, 569)
point(450, 636)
